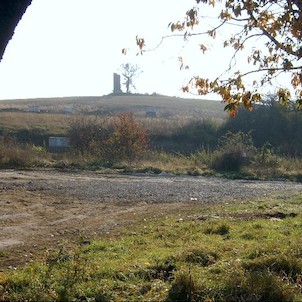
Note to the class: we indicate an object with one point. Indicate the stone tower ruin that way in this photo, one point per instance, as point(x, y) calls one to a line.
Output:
point(116, 83)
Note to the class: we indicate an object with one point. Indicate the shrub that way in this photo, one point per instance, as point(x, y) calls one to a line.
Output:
point(266, 156)
point(128, 140)
point(86, 134)
point(233, 151)
point(110, 141)
point(228, 161)
point(14, 154)
point(203, 157)
point(278, 125)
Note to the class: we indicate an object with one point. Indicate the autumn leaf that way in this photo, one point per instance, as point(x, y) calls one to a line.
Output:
point(203, 48)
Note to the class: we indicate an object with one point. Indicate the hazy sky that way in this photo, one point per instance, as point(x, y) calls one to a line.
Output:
point(72, 48)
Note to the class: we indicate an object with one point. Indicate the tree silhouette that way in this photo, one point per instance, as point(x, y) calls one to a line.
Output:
point(130, 72)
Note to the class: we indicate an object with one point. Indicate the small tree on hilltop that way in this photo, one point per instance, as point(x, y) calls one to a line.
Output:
point(130, 72)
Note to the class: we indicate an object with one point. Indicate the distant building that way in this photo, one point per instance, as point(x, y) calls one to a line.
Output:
point(151, 112)
point(116, 83)
point(33, 108)
point(58, 143)
point(68, 110)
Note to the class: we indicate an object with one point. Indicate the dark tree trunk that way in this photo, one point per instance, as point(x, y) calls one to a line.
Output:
point(127, 85)
point(11, 11)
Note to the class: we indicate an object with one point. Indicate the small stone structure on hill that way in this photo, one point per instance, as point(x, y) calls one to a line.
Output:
point(34, 108)
point(116, 83)
point(151, 112)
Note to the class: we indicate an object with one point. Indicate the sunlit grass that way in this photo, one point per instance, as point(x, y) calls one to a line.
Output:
point(230, 252)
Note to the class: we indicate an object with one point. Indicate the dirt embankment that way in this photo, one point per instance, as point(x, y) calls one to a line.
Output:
point(40, 210)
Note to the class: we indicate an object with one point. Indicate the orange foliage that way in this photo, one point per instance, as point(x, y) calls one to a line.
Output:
point(277, 23)
point(129, 139)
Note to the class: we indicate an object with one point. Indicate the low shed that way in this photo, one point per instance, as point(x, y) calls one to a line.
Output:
point(58, 142)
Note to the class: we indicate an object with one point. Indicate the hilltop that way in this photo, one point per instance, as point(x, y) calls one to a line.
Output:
point(112, 104)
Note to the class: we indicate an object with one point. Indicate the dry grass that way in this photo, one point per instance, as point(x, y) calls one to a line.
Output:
point(171, 112)
point(168, 108)
point(42, 123)
point(164, 162)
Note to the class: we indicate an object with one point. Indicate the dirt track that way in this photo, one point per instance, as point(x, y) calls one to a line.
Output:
point(41, 209)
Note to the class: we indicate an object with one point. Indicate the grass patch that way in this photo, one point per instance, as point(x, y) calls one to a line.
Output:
point(242, 253)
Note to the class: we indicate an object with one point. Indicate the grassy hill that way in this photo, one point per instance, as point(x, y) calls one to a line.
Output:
point(53, 118)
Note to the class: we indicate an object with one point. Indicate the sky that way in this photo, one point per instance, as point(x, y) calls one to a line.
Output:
point(72, 48)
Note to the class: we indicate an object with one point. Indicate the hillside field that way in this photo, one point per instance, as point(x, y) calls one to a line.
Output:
point(55, 113)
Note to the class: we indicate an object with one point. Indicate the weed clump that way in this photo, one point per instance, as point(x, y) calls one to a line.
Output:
point(287, 266)
point(257, 286)
point(200, 256)
point(220, 229)
point(183, 289)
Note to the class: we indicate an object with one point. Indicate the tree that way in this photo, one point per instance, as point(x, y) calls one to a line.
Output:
point(274, 27)
point(10, 13)
point(130, 72)
point(270, 123)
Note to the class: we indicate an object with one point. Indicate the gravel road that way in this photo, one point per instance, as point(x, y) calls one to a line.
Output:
point(142, 188)
point(41, 209)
